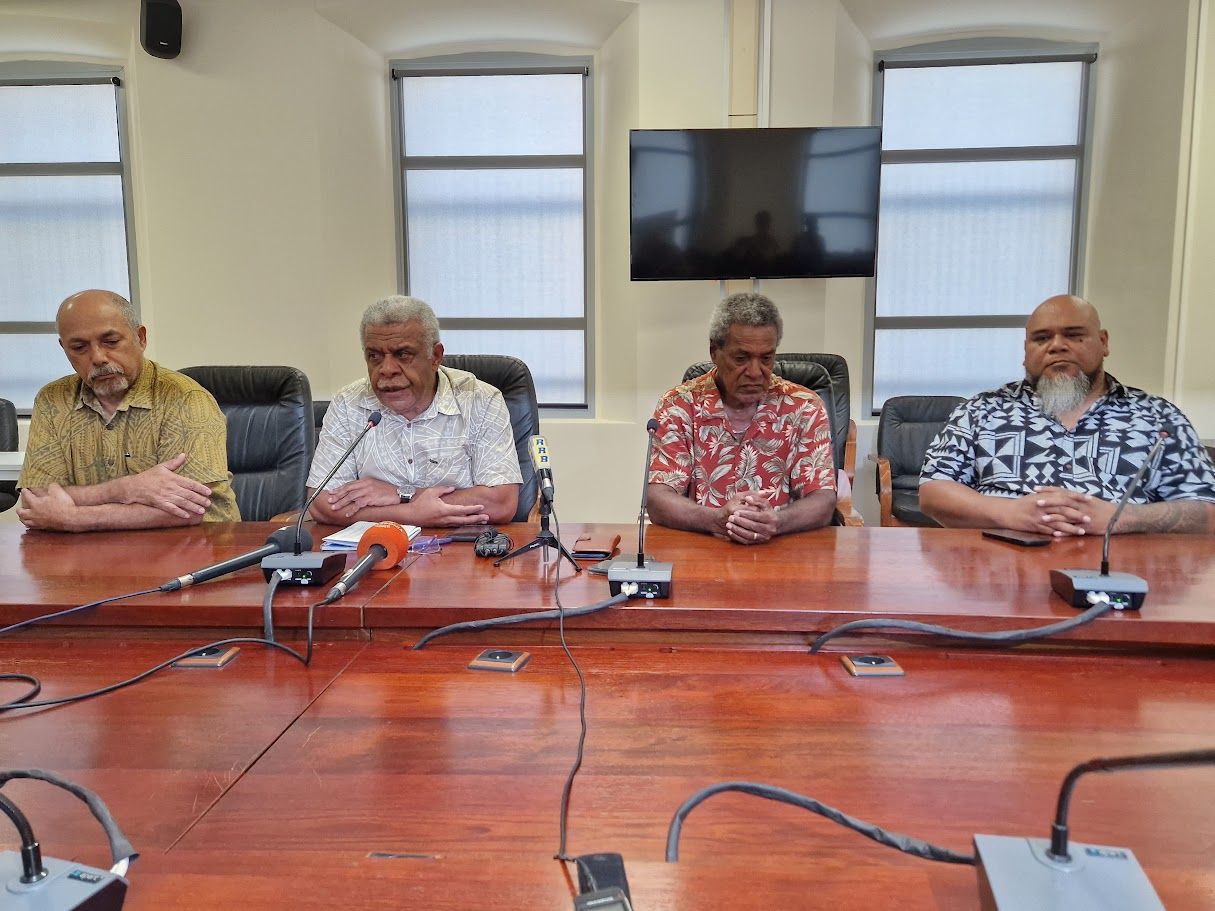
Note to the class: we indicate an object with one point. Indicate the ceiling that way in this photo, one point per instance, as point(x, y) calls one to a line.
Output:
point(397, 26)
point(886, 21)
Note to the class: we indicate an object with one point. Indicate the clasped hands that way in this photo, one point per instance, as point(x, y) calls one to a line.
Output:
point(1059, 512)
point(427, 507)
point(748, 517)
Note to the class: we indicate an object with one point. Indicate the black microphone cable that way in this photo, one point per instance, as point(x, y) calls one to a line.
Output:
point(905, 843)
point(1101, 605)
point(12, 628)
point(23, 701)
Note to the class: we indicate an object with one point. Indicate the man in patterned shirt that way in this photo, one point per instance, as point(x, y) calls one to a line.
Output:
point(1054, 452)
point(740, 453)
point(124, 442)
point(443, 454)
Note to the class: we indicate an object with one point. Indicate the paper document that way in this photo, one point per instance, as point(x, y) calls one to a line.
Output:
point(348, 538)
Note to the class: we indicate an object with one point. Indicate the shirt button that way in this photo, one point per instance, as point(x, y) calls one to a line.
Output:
point(411, 461)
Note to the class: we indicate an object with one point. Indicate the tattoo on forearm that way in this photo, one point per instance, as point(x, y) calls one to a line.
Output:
point(1172, 517)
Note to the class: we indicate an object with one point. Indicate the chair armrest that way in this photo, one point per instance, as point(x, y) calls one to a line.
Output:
point(885, 489)
point(850, 452)
point(289, 517)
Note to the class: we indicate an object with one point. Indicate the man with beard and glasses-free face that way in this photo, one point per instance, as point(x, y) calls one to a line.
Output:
point(1055, 452)
point(123, 442)
point(443, 453)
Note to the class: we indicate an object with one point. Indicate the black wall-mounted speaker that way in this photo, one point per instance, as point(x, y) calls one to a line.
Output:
point(160, 27)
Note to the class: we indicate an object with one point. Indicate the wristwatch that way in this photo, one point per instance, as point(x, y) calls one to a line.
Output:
point(406, 493)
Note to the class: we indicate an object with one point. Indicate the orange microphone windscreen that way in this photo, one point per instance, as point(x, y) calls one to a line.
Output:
point(390, 536)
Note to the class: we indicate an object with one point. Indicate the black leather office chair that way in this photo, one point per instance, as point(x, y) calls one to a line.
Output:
point(827, 375)
point(513, 379)
point(8, 443)
point(906, 428)
point(270, 437)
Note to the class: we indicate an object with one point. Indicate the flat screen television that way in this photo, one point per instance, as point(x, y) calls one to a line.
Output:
point(753, 203)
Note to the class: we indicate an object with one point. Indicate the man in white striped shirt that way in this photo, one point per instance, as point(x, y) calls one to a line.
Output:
point(442, 455)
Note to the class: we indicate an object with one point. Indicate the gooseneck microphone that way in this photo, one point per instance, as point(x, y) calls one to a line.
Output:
point(1125, 591)
point(384, 542)
point(651, 428)
point(281, 540)
point(641, 578)
point(299, 568)
point(543, 466)
point(372, 420)
point(1020, 873)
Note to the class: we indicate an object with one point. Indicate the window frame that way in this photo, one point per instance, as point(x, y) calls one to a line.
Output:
point(985, 52)
point(40, 73)
point(505, 64)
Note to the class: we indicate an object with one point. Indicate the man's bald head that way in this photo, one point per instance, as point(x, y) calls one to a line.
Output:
point(1065, 351)
point(99, 332)
point(94, 299)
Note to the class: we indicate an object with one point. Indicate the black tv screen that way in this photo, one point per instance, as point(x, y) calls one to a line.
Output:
point(753, 203)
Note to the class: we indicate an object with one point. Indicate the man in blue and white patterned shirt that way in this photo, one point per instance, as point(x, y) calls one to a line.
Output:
point(443, 454)
point(1053, 453)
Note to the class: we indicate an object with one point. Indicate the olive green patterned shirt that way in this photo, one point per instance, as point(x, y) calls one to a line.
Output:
point(163, 414)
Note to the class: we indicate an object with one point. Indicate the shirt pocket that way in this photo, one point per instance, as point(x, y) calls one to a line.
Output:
point(447, 464)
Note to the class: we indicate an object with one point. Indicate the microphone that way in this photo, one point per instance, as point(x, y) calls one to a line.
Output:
point(1017, 873)
point(384, 542)
point(299, 568)
point(644, 578)
point(278, 542)
point(1125, 591)
point(544, 468)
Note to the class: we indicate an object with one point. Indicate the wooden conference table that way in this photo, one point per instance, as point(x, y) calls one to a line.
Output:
point(382, 777)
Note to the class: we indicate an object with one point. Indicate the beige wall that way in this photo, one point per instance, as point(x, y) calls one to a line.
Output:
point(264, 213)
point(1195, 365)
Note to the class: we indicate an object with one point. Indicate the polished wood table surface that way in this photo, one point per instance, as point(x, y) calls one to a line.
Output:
point(384, 778)
point(782, 592)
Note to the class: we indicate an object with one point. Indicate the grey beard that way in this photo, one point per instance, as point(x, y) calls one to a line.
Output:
point(1062, 395)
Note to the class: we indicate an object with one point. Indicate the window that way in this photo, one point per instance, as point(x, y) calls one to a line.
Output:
point(62, 214)
point(982, 175)
point(495, 188)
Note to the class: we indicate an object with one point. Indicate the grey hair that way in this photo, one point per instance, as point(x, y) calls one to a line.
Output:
point(744, 309)
point(125, 307)
point(398, 309)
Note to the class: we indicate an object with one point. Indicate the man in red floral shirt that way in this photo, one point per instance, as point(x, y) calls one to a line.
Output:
point(740, 453)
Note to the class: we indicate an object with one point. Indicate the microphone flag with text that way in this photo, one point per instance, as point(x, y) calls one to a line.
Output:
point(543, 465)
point(382, 546)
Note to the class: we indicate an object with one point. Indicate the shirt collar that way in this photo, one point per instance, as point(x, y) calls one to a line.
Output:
point(138, 396)
point(711, 404)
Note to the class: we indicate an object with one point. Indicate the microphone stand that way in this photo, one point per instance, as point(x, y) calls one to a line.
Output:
point(545, 538)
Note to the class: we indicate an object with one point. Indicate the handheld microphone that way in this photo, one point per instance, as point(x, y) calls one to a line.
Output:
point(299, 568)
point(278, 542)
point(1125, 591)
point(384, 542)
point(544, 468)
point(641, 577)
point(1016, 873)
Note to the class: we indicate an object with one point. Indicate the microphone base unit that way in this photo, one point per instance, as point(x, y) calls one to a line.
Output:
point(1018, 874)
point(66, 887)
point(1126, 591)
point(310, 568)
point(653, 580)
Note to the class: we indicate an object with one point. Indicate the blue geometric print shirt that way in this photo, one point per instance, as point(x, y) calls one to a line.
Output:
point(1001, 444)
